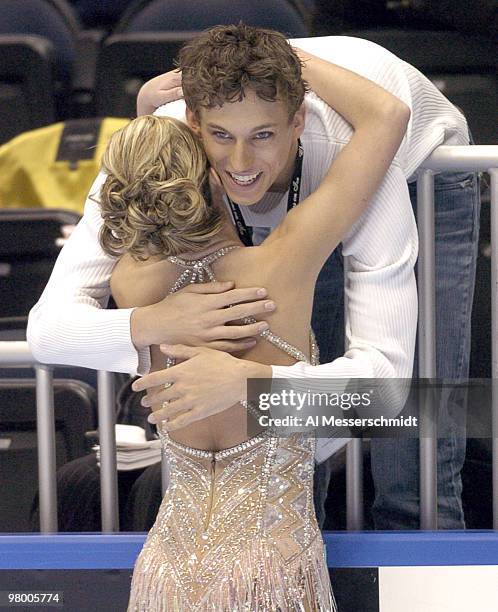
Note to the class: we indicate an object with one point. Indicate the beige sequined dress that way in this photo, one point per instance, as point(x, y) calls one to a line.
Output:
point(236, 530)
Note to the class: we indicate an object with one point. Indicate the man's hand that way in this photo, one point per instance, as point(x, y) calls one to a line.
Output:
point(160, 90)
point(204, 383)
point(198, 314)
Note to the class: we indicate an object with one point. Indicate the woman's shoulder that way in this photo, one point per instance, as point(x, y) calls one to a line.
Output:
point(254, 266)
point(243, 262)
point(140, 283)
point(128, 267)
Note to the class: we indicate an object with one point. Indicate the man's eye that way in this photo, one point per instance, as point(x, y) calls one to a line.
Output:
point(263, 135)
point(221, 135)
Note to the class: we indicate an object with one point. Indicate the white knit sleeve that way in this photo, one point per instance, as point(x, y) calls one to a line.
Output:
point(434, 119)
point(374, 63)
point(69, 324)
point(381, 295)
point(363, 57)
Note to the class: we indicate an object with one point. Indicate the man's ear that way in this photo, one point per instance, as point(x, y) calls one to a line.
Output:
point(193, 121)
point(298, 120)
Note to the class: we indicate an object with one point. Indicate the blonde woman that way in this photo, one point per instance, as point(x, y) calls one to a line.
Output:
point(237, 529)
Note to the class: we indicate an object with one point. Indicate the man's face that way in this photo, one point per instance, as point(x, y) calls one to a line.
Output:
point(251, 144)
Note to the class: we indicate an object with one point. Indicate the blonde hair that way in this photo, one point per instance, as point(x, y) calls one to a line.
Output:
point(152, 201)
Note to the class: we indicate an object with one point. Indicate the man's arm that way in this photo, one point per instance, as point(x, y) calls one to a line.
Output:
point(69, 324)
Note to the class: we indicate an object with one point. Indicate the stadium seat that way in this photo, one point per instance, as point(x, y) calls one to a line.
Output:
point(28, 249)
point(75, 413)
point(147, 39)
point(53, 20)
point(102, 14)
point(462, 66)
point(26, 84)
point(119, 79)
point(290, 17)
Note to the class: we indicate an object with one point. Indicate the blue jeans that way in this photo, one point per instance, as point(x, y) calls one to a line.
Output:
point(395, 462)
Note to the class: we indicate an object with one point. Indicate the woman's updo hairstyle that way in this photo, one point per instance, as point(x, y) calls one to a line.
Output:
point(152, 201)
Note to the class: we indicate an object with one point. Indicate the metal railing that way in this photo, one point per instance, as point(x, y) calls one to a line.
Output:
point(470, 158)
point(13, 353)
point(480, 158)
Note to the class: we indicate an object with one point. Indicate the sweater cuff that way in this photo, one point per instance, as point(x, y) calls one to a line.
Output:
point(143, 361)
point(294, 371)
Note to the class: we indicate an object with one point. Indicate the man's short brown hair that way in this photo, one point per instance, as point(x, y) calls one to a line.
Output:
point(222, 62)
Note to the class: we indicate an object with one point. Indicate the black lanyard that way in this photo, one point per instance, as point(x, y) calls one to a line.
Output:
point(245, 233)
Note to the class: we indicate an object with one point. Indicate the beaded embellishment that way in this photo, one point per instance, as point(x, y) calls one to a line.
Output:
point(236, 530)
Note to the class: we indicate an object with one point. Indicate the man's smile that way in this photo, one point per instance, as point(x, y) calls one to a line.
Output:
point(244, 180)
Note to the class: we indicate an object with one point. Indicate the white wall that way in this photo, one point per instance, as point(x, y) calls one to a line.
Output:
point(439, 589)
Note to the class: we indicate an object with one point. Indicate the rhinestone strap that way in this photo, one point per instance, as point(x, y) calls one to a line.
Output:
point(278, 342)
point(196, 269)
point(314, 350)
point(221, 454)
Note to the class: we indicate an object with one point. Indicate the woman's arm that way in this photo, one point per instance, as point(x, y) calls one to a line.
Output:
point(160, 90)
point(379, 121)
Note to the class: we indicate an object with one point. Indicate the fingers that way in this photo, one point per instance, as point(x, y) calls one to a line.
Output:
point(179, 352)
point(167, 411)
point(234, 332)
point(236, 296)
point(161, 394)
point(154, 379)
point(232, 346)
point(182, 420)
point(160, 90)
point(214, 178)
point(164, 96)
point(167, 80)
point(175, 76)
point(215, 184)
point(176, 417)
point(228, 296)
point(244, 310)
point(216, 287)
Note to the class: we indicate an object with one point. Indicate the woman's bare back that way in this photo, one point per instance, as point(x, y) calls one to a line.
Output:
point(247, 267)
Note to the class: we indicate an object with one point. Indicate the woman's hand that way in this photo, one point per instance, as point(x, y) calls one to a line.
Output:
point(160, 90)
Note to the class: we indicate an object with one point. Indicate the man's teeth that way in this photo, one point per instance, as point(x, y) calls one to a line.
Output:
point(244, 180)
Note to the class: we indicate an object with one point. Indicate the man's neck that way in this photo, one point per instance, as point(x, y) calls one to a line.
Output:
point(268, 202)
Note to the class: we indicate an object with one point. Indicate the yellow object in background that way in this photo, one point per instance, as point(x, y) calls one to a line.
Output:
point(54, 166)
